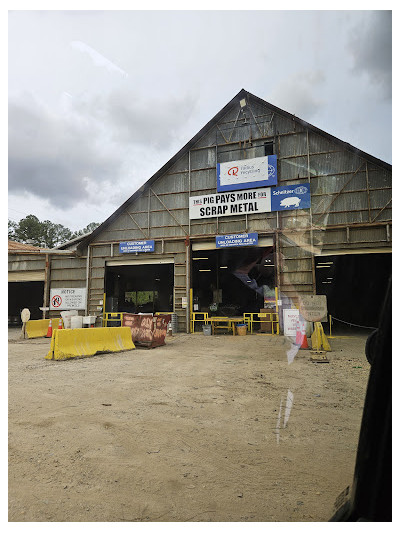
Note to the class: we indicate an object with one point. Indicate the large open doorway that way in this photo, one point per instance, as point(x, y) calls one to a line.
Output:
point(233, 281)
point(141, 288)
point(355, 286)
point(23, 294)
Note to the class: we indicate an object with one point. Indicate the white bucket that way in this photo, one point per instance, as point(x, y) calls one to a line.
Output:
point(66, 316)
point(207, 329)
point(88, 320)
point(76, 322)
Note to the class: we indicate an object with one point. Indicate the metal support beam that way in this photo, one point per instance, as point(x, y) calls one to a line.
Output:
point(141, 229)
point(46, 290)
point(166, 208)
point(383, 208)
point(339, 193)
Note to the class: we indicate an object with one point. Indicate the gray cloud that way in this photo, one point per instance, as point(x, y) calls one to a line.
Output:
point(131, 119)
point(50, 156)
point(370, 45)
point(297, 94)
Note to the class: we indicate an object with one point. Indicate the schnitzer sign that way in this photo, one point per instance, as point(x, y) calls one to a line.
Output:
point(232, 203)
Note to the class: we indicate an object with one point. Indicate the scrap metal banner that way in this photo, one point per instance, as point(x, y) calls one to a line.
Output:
point(247, 173)
point(228, 204)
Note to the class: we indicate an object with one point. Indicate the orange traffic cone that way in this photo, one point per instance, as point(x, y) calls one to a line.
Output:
point(60, 324)
point(301, 339)
point(49, 330)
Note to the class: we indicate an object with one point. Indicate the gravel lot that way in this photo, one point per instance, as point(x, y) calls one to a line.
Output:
point(204, 429)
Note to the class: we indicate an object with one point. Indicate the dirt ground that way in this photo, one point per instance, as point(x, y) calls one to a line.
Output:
point(204, 429)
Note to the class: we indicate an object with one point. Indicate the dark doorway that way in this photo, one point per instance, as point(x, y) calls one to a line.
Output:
point(23, 294)
point(355, 287)
point(139, 288)
point(232, 281)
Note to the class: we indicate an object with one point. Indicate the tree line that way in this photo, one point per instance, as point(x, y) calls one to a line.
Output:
point(44, 234)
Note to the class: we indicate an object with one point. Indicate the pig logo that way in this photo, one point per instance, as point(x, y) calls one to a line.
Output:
point(292, 201)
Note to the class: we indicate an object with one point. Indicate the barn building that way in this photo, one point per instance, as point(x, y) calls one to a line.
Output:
point(256, 191)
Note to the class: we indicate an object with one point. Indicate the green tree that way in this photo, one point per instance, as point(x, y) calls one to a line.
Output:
point(88, 229)
point(44, 234)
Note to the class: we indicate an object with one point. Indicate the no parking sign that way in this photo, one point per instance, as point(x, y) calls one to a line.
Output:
point(65, 299)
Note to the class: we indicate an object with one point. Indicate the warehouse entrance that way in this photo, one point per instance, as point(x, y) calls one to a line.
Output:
point(355, 286)
point(232, 281)
point(23, 294)
point(139, 288)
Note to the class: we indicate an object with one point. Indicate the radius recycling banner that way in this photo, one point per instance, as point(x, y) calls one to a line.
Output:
point(247, 173)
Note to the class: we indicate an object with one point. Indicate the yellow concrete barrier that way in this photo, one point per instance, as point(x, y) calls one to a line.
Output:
point(38, 328)
point(84, 342)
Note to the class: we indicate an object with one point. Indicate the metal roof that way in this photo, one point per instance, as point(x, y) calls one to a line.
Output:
point(14, 246)
point(235, 101)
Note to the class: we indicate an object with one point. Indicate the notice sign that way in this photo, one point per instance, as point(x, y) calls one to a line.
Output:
point(65, 299)
point(247, 174)
point(228, 204)
point(136, 246)
point(313, 308)
point(291, 197)
point(241, 239)
point(290, 319)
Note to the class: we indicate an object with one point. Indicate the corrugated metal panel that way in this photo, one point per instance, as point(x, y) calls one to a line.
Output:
point(379, 199)
point(318, 144)
point(379, 177)
point(26, 276)
point(141, 261)
point(293, 145)
point(174, 247)
point(168, 183)
point(283, 124)
point(58, 263)
point(293, 169)
point(68, 274)
point(334, 184)
point(376, 234)
point(352, 251)
point(297, 278)
point(334, 163)
point(26, 264)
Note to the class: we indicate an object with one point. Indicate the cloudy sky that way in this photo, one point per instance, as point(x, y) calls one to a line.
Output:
point(100, 100)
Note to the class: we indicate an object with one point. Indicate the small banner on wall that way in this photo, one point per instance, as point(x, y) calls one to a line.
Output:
point(247, 173)
point(136, 246)
point(291, 197)
point(241, 239)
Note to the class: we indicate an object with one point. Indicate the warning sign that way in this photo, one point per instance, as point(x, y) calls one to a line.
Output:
point(313, 308)
point(66, 299)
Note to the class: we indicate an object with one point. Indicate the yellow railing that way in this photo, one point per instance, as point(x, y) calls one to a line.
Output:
point(198, 317)
point(112, 317)
point(265, 318)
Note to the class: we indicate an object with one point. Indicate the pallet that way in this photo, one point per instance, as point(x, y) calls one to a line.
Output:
point(318, 356)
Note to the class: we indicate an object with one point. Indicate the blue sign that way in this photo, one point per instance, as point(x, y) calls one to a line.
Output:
point(136, 246)
point(291, 197)
point(247, 173)
point(241, 239)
